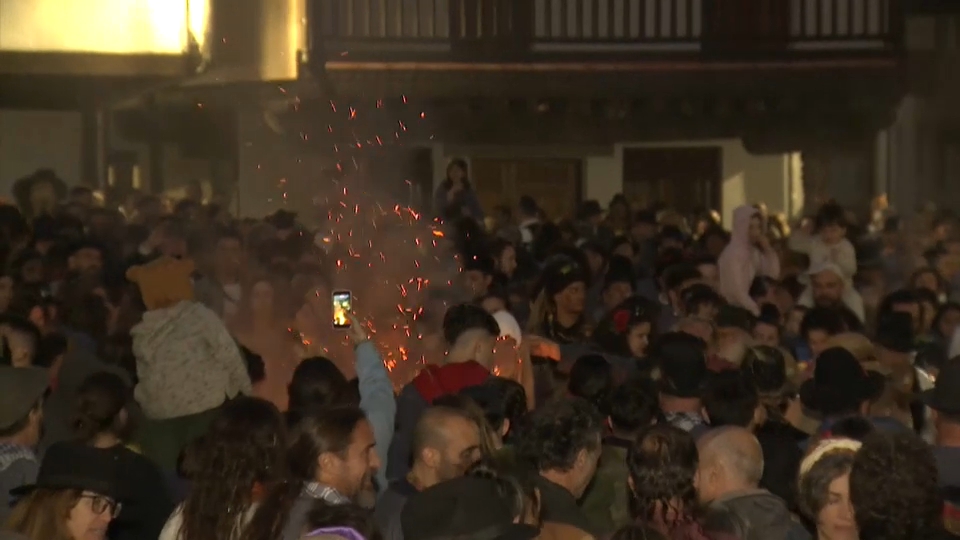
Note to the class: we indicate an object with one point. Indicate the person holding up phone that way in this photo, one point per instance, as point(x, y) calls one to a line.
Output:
point(376, 390)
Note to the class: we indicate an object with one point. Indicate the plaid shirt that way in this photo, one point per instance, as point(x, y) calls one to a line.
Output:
point(327, 494)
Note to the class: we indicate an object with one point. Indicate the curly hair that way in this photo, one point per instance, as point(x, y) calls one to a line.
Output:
point(553, 435)
point(894, 488)
point(814, 487)
point(244, 447)
point(663, 462)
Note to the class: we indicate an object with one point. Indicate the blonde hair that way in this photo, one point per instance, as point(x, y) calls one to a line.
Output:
point(43, 514)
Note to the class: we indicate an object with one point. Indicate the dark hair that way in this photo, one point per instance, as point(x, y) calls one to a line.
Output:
point(852, 427)
point(830, 213)
point(51, 347)
point(553, 434)
point(730, 399)
point(100, 399)
point(663, 462)
point(901, 296)
point(464, 317)
point(941, 283)
point(822, 318)
point(678, 274)
point(244, 446)
point(591, 378)
point(20, 325)
point(769, 314)
point(611, 337)
point(509, 402)
point(813, 488)
point(698, 295)
point(353, 516)
point(633, 406)
point(894, 488)
point(514, 484)
point(321, 431)
point(228, 233)
point(944, 308)
point(317, 382)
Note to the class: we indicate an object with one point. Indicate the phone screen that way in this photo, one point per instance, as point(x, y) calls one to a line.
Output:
point(342, 306)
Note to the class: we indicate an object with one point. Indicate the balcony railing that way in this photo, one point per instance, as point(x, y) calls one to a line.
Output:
point(543, 30)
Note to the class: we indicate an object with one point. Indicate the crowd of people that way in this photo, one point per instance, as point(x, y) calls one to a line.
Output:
point(171, 372)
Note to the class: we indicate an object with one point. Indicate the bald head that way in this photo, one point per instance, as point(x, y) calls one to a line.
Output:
point(733, 457)
point(446, 442)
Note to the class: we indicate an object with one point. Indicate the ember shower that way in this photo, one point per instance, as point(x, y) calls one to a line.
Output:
point(382, 241)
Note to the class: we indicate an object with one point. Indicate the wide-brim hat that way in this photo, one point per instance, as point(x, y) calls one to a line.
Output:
point(73, 465)
point(465, 507)
point(20, 390)
point(839, 383)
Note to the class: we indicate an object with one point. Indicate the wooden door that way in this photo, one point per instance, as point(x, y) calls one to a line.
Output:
point(682, 178)
point(553, 183)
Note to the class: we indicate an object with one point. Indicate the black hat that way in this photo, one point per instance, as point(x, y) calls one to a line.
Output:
point(20, 390)
point(840, 383)
point(73, 465)
point(683, 364)
point(944, 397)
point(559, 275)
point(465, 507)
point(895, 332)
point(729, 316)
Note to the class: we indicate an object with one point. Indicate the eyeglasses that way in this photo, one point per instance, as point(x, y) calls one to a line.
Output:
point(100, 504)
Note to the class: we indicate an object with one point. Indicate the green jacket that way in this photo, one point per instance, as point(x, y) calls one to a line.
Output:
point(606, 502)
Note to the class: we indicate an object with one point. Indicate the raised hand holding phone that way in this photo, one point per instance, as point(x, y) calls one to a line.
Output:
point(358, 332)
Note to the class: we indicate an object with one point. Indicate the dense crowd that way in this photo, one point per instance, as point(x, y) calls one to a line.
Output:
point(170, 372)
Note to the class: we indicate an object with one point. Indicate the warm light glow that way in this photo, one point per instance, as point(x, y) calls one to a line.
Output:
point(102, 26)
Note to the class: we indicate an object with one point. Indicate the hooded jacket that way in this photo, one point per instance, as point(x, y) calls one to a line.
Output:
point(187, 362)
point(432, 382)
point(740, 262)
point(763, 515)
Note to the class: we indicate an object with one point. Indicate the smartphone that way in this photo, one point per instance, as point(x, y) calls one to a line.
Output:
point(342, 306)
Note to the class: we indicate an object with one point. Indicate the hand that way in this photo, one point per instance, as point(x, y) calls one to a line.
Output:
point(541, 346)
point(764, 244)
point(358, 332)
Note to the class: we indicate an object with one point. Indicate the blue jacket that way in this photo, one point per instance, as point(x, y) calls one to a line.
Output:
point(378, 402)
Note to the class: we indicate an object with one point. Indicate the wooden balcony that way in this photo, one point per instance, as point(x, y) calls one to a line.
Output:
point(556, 31)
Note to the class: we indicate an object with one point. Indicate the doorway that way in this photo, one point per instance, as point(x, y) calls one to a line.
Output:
point(685, 179)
